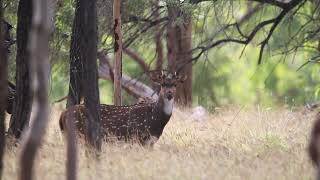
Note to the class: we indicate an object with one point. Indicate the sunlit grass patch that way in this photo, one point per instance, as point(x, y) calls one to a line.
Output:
point(274, 141)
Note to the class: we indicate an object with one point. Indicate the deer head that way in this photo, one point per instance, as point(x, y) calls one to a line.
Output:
point(168, 82)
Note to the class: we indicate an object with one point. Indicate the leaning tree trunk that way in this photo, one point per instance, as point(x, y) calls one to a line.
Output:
point(88, 55)
point(3, 88)
point(179, 53)
point(23, 100)
point(39, 66)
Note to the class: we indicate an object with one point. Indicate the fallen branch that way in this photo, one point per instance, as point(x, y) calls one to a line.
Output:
point(133, 86)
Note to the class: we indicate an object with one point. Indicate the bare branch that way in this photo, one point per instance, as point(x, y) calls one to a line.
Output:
point(233, 40)
point(246, 39)
point(249, 14)
point(277, 3)
point(274, 26)
point(139, 31)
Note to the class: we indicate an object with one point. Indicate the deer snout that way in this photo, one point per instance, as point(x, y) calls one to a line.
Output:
point(169, 95)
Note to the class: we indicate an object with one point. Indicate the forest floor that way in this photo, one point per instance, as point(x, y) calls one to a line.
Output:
point(233, 143)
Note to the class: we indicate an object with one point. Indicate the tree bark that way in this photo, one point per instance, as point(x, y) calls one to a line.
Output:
point(3, 88)
point(88, 55)
point(117, 52)
point(39, 66)
point(23, 100)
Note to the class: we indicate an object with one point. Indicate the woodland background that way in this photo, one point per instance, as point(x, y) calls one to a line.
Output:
point(222, 75)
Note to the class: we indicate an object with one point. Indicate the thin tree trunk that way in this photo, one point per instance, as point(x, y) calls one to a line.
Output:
point(75, 90)
point(39, 66)
point(23, 100)
point(117, 52)
point(71, 149)
point(88, 55)
point(3, 88)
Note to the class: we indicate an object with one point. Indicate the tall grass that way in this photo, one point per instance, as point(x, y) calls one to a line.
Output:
point(232, 143)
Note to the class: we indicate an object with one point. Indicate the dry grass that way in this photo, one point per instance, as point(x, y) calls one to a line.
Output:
point(250, 144)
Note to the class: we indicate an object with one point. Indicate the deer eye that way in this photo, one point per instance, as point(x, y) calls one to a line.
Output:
point(167, 85)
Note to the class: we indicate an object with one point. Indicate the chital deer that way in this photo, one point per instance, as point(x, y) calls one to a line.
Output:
point(314, 146)
point(143, 121)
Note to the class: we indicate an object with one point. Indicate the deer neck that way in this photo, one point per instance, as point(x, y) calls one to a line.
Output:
point(165, 106)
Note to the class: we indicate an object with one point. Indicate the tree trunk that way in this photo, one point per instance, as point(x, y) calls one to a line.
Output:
point(75, 93)
point(184, 90)
point(88, 55)
point(158, 38)
point(39, 66)
point(179, 46)
point(171, 40)
point(3, 88)
point(117, 52)
point(23, 100)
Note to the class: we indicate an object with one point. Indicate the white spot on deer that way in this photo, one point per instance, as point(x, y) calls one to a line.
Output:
point(168, 106)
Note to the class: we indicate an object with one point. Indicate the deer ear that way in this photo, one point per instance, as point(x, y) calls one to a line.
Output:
point(181, 79)
point(156, 77)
